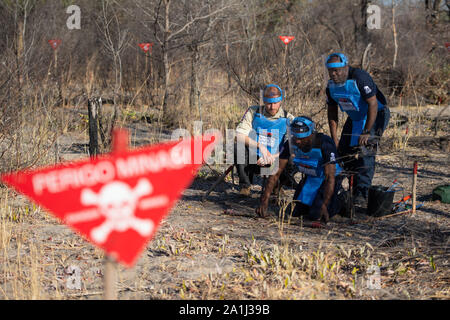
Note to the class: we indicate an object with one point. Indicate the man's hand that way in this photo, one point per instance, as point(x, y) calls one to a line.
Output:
point(324, 216)
point(330, 172)
point(261, 211)
point(270, 184)
point(267, 158)
point(363, 139)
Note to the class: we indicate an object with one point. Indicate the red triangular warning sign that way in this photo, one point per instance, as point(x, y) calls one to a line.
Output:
point(54, 43)
point(146, 47)
point(116, 201)
point(286, 39)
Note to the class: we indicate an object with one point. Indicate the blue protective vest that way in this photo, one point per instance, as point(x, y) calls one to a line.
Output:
point(350, 101)
point(269, 133)
point(311, 164)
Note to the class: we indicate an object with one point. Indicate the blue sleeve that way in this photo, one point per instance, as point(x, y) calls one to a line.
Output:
point(366, 85)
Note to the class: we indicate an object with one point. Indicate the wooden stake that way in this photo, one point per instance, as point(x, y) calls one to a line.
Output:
point(137, 73)
point(120, 144)
point(146, 71)
point(414, 186)
point(55, 52)
point(110, 279)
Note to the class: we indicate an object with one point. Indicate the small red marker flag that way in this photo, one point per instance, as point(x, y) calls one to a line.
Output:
point(146, 47)
point(447, 45)
point(54, 43)
point(118, 200)
point(286, 39)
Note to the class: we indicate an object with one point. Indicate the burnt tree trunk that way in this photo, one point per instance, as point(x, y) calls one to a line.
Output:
point(93, 127)
point(432, 11)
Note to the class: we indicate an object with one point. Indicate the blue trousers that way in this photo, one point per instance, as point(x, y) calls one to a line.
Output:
point(313, 212)
point(364, 166)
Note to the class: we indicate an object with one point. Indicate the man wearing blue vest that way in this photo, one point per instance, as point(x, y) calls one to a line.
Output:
point(356, 94)
point(261, 132)
point(315, 155)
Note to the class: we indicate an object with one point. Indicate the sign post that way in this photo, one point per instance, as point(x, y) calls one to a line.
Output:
point(110, 279)
point(286, 40)
point(147, 47)
point(54, 43)
point(119, 145)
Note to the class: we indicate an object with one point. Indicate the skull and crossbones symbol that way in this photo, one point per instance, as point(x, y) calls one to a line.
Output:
point(117, 202)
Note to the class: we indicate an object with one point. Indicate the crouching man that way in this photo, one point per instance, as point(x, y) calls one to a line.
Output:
point(314, 154)
point(262, 131)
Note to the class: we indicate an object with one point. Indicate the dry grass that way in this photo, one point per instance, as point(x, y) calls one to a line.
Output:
point(209, 263)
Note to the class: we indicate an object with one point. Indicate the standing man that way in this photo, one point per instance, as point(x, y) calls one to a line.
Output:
point(315, 156)
point(262, 131)
point(356, 94)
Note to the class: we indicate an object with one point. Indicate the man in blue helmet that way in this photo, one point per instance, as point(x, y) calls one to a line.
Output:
point(261, 130)
point(315, 155)
point(356, 94)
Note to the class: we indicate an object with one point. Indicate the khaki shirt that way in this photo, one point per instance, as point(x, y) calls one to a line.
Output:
point(245, 125)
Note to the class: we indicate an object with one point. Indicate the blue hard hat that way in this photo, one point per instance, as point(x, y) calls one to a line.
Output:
point(302, 127)
point(343, 63)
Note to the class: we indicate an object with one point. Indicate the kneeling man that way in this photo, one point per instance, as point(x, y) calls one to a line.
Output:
point(314, 154)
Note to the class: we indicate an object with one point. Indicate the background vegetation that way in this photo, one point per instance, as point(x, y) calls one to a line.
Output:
point(210, 57)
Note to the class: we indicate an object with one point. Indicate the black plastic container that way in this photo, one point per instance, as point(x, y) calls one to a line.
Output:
point(380, 201)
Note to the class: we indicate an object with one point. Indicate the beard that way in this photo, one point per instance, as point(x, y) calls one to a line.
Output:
point(306, 148)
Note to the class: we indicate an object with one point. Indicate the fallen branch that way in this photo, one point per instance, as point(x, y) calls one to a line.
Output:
point(213, 170)
point(369, 220)
point(219, 180)
point(393, 215)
